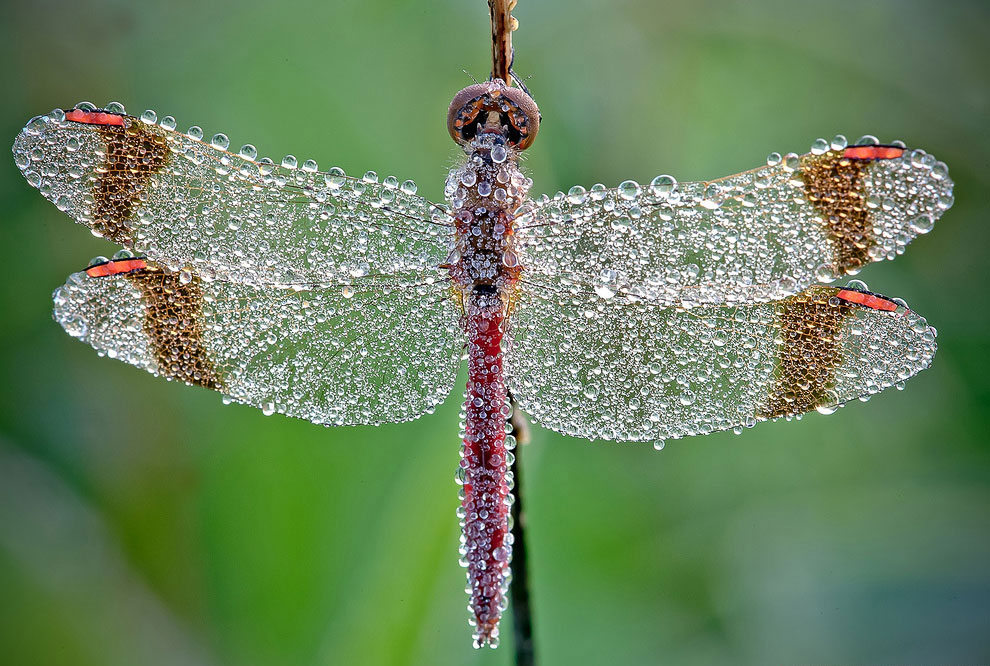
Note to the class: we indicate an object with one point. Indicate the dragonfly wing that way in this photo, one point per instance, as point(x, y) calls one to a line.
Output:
point(752, 237)
point(621, 369)
point(361, 354)
point(188, 203)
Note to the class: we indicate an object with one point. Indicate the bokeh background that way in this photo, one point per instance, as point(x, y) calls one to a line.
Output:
point(142, 522)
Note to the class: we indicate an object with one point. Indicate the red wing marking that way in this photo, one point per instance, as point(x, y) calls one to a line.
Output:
point(94, 117)
point(873, 152)
point(116, 267)
point(867, 300)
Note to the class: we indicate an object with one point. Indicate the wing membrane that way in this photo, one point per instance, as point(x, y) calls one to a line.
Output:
point(752, 237)
point(188, 203)
point(624, 369)
point(361, 354)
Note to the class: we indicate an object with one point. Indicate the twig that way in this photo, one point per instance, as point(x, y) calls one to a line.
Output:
point(522, 619)
point(502, 26)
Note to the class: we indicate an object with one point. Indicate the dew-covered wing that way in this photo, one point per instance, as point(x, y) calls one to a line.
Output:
point(753, 237)
point(186, 203)
point(629, 370)
point(361, 354)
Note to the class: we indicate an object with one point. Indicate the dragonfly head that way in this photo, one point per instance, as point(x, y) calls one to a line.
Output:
point(497, 108)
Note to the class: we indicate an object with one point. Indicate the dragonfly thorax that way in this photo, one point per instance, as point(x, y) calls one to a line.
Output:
point(483, 193)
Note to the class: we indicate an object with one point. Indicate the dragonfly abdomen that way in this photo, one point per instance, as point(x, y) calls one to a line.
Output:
point(486, 546)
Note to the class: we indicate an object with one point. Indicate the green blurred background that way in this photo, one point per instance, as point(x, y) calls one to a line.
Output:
point(145, 523)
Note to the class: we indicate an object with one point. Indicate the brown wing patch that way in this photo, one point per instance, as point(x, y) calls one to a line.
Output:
point(134, 153)
point(811, 326)
point(834, 185)
point(172, 323)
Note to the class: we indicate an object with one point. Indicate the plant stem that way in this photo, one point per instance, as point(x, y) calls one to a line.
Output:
point(502, 26)
point(522, 620)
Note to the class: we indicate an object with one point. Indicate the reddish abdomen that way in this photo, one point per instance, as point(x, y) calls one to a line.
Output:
point(487, 544)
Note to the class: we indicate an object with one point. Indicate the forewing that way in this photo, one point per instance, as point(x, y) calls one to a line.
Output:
point(622, 369)
point(362, 354)
point(752, 237)
point(186, 203)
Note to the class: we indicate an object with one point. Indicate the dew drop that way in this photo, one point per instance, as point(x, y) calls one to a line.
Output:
point(923, 224)
point(248, 152)
point(335, 177)
point(220, 141)
point(604, 291)
point(629, 190)
point(824, 273)
point(663, 185)
point(75, 326)
point(577, 195)
point(857, 285)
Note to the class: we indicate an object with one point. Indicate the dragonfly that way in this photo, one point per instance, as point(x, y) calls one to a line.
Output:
point(642, 312)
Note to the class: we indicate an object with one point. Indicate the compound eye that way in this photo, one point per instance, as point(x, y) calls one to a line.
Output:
point(472, 109)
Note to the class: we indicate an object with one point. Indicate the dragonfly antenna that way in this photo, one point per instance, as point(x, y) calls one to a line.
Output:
point(503, 24)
